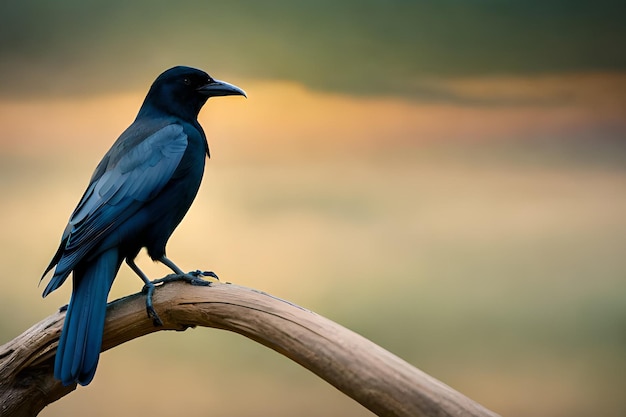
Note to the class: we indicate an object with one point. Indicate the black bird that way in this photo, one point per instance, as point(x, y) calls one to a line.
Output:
point(138, 194)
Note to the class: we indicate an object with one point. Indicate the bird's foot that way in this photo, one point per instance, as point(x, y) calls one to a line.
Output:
point(152, 314)
point(192, 278)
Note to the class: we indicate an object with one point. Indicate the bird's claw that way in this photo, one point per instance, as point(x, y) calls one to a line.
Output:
point(197, 273)
point(148, 289)
point(192, 278)
point(152, 314)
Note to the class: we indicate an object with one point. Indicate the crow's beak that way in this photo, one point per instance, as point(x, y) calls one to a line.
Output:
point(218, 88)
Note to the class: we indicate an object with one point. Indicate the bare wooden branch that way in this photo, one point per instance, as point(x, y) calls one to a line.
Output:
point(379, 380)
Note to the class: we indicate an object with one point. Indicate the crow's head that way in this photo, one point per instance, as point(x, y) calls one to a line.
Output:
point(182, 91)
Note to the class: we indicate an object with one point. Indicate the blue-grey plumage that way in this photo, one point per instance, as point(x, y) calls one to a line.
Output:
point(138, 194)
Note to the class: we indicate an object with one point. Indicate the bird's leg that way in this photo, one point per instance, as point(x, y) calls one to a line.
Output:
point(148, 288)
point(192, 277)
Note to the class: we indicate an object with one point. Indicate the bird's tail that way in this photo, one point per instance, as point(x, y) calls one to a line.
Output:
point(81, 338)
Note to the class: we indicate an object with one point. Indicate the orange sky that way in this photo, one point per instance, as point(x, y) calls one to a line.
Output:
point(283, 113)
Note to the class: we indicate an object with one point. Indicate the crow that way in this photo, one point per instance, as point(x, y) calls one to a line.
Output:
point(138, 194)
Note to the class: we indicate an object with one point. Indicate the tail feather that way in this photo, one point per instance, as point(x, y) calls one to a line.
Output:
point(81, 337)
point(59, 276)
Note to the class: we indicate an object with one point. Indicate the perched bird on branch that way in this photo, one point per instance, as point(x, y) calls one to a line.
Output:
point(138, 194)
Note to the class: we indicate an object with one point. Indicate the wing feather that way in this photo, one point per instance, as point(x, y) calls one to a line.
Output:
point(120, 190)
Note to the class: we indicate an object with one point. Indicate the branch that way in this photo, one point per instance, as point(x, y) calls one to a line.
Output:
point(374, 377)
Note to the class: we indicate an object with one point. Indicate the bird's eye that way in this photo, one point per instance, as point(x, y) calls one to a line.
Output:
point(187, 81)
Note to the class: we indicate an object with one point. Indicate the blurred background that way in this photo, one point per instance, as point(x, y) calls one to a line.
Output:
point(447, 178)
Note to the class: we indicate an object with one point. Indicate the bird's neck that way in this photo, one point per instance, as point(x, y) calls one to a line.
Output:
point(159, 105)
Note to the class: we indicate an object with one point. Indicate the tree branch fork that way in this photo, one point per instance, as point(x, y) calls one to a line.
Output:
point(379, 380)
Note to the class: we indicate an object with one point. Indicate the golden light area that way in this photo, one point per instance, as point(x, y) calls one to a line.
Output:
point(283, 114)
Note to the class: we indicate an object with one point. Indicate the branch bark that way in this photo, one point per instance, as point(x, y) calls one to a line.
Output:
point(379, 380)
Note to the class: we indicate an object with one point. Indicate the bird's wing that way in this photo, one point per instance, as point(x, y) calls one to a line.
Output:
point(136, 171)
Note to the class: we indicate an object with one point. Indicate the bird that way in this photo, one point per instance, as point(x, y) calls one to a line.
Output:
point(138, 194)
